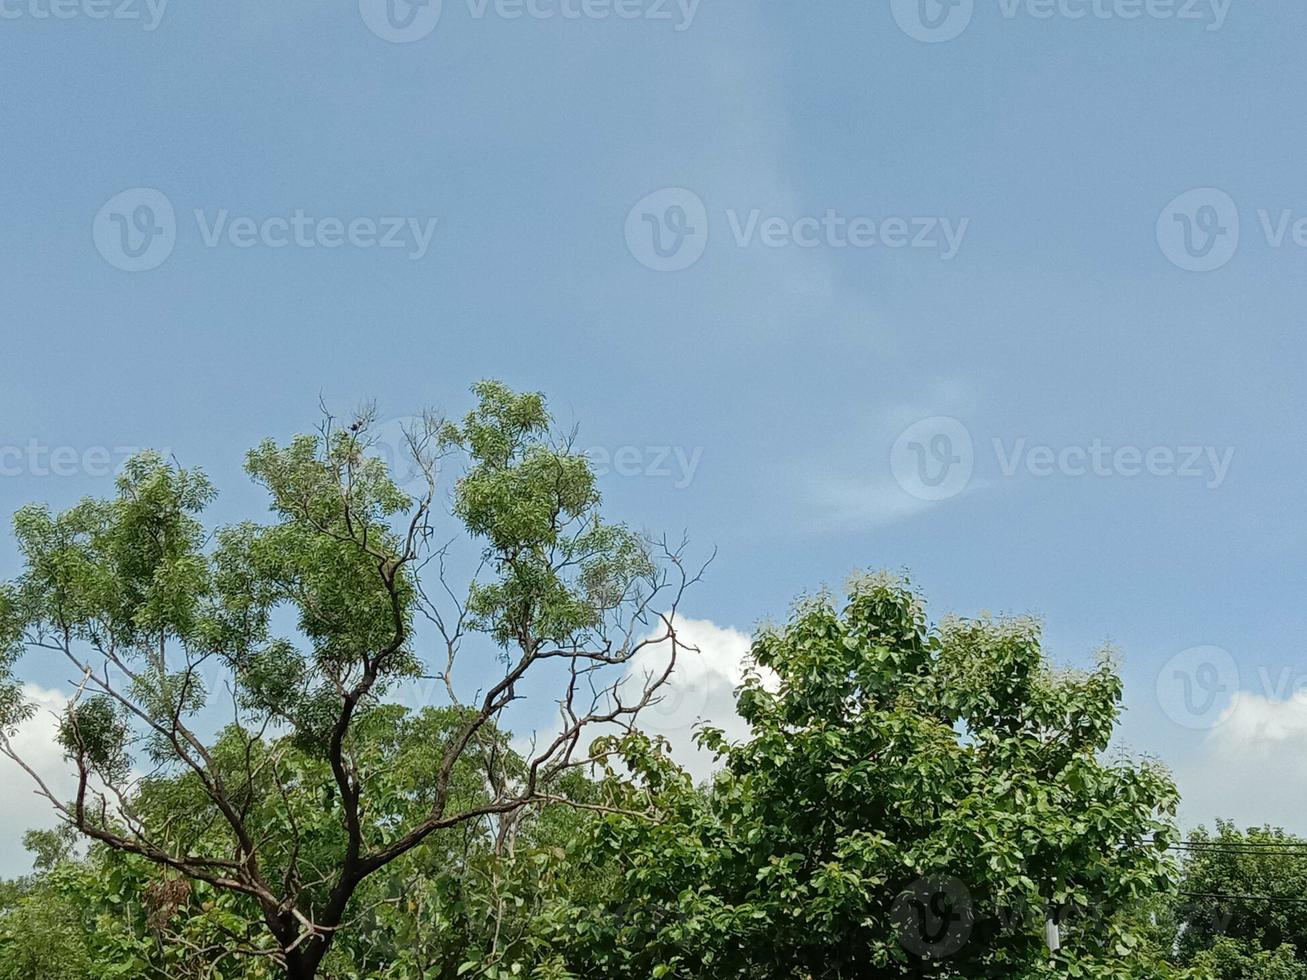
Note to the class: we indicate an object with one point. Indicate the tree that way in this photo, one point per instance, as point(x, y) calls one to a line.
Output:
point(1241, 912)
point(912, 801)
point(110, 915)
point(467, 892)
point(302, 626)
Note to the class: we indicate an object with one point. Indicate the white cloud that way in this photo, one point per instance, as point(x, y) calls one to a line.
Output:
point(21, 809)
point(710, 667)
point(1254, 721)
point(701, 688)
point(1252, 766)
point(845, 504)
point(879, 493)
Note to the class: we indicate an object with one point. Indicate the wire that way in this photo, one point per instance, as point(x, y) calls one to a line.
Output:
point(1239, 850)
point(1276, 899)
point(1240, 847)
point(1246, 843)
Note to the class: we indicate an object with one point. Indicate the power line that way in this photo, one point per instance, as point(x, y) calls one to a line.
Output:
point(1239, 850)
point(1239, 847)
point(1299, 845)
point(1274, 899)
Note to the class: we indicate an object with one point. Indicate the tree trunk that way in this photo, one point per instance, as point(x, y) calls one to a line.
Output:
point(304, 962)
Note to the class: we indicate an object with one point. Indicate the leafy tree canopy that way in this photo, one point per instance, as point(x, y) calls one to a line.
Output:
point(1241, 912)
point(913, 800)
point(299, 628)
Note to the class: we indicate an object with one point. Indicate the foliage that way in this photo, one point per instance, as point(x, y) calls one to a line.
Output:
point(1260, 933)
point(300, 628)
point(467, 890)
point(912, 801)
point(913, 798)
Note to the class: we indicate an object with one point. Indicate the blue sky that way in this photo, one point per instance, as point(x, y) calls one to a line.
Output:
point(1037, 160)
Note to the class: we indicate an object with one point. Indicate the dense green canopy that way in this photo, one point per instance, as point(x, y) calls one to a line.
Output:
point(912, 798)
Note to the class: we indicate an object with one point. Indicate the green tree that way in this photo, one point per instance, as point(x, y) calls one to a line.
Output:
point(466, 892)
point(42, 935)
point(912, 801)
point(1241, 912)
point(302, 626)
point(112, 915)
